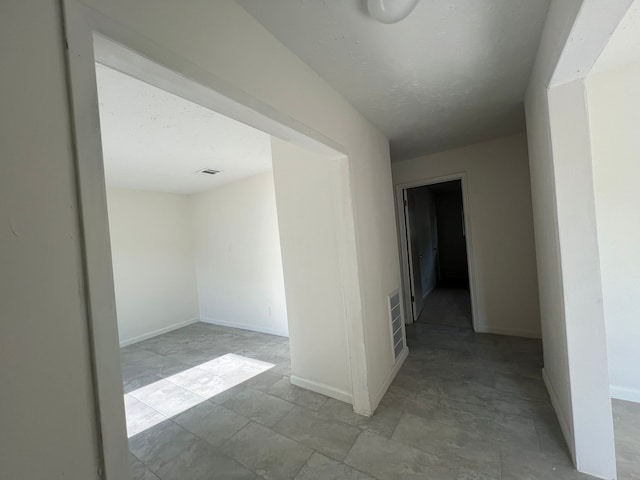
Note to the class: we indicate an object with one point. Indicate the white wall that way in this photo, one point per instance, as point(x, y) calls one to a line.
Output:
point(500, 217)
point(614, 115)
point(47, 402)
point(568, 273)
point(238, 259)
point(556, 358)
point(153, 262)
point(317, 321)
point(44, 252)
point(582, 288)
point(233, 49)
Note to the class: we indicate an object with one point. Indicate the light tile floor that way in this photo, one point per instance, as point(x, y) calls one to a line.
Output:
point(626, 419)
point(449, 307)
point(464, 406)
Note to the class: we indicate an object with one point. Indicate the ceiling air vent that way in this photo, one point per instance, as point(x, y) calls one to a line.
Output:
point(209, 171)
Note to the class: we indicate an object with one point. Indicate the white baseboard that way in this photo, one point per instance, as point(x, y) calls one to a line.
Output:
point(246, 326)
point(377, 398)
point(155, 333)
point(508, 331)
point(322, 388)
point(625, 393)
point(564, 424)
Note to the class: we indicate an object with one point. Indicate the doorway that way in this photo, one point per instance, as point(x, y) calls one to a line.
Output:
point(435, 248)
point(343, 376)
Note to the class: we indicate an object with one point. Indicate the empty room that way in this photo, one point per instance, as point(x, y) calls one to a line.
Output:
point(196, 257)
point(199, 288)
point(374, 239)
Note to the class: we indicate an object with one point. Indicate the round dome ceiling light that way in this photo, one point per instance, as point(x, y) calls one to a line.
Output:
point(390, 11)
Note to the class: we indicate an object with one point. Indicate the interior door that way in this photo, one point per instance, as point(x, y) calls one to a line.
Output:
point(415, 277)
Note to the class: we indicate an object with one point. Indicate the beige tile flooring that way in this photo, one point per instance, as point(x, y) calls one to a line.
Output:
point(210, 402)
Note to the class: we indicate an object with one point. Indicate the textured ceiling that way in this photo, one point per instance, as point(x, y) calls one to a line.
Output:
point(624, 46)
point(453, 73)
point(154, 140)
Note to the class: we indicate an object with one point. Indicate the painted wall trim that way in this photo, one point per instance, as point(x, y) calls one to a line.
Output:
point(375, 401)
point(350, 278)
point(159, 331)
point(625, 393)
point(508, 331)
point(590, 33)
point(98, 283)
point(244, 326)
point(564, 425)
point(322, 388)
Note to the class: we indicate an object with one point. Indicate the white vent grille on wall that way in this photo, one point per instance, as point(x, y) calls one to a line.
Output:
point(395, 317)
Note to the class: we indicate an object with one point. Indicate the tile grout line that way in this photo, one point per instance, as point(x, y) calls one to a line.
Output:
point(264, 426)
point(314, 449)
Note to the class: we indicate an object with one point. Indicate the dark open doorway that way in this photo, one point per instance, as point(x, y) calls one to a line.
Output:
point(437, 254)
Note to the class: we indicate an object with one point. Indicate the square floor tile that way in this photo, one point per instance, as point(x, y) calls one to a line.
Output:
point(211, 422)
point(140, 416)
point(453, 442)
point(524, 464)
point(159, 444)
point(262, 381)
point(331, 437)
point(319, 467)
point(269, 454)
point(139, 470)
point(383, 422)
point(519, 431)
point(259, 406)
point(201, 461)
point(167, 398)
point(300, 396)
point(386, 459)
point(200, 382)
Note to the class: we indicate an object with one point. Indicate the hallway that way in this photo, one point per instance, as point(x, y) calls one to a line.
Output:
point(479, 400)
point(464, 406)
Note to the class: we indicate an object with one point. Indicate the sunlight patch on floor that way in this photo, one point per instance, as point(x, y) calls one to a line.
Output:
point(158, 401)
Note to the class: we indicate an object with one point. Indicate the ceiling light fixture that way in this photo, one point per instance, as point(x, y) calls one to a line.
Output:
point(390, 11)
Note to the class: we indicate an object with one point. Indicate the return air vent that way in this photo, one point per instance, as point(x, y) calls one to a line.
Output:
point(395, 318)
point(209, 171)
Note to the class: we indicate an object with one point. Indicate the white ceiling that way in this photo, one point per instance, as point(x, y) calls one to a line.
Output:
point(624, 46)
point(453, 73)
point(154, 140)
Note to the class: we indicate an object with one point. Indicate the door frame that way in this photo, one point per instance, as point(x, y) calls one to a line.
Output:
point(405, 258)
point(409, 244)
point(84, 28)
